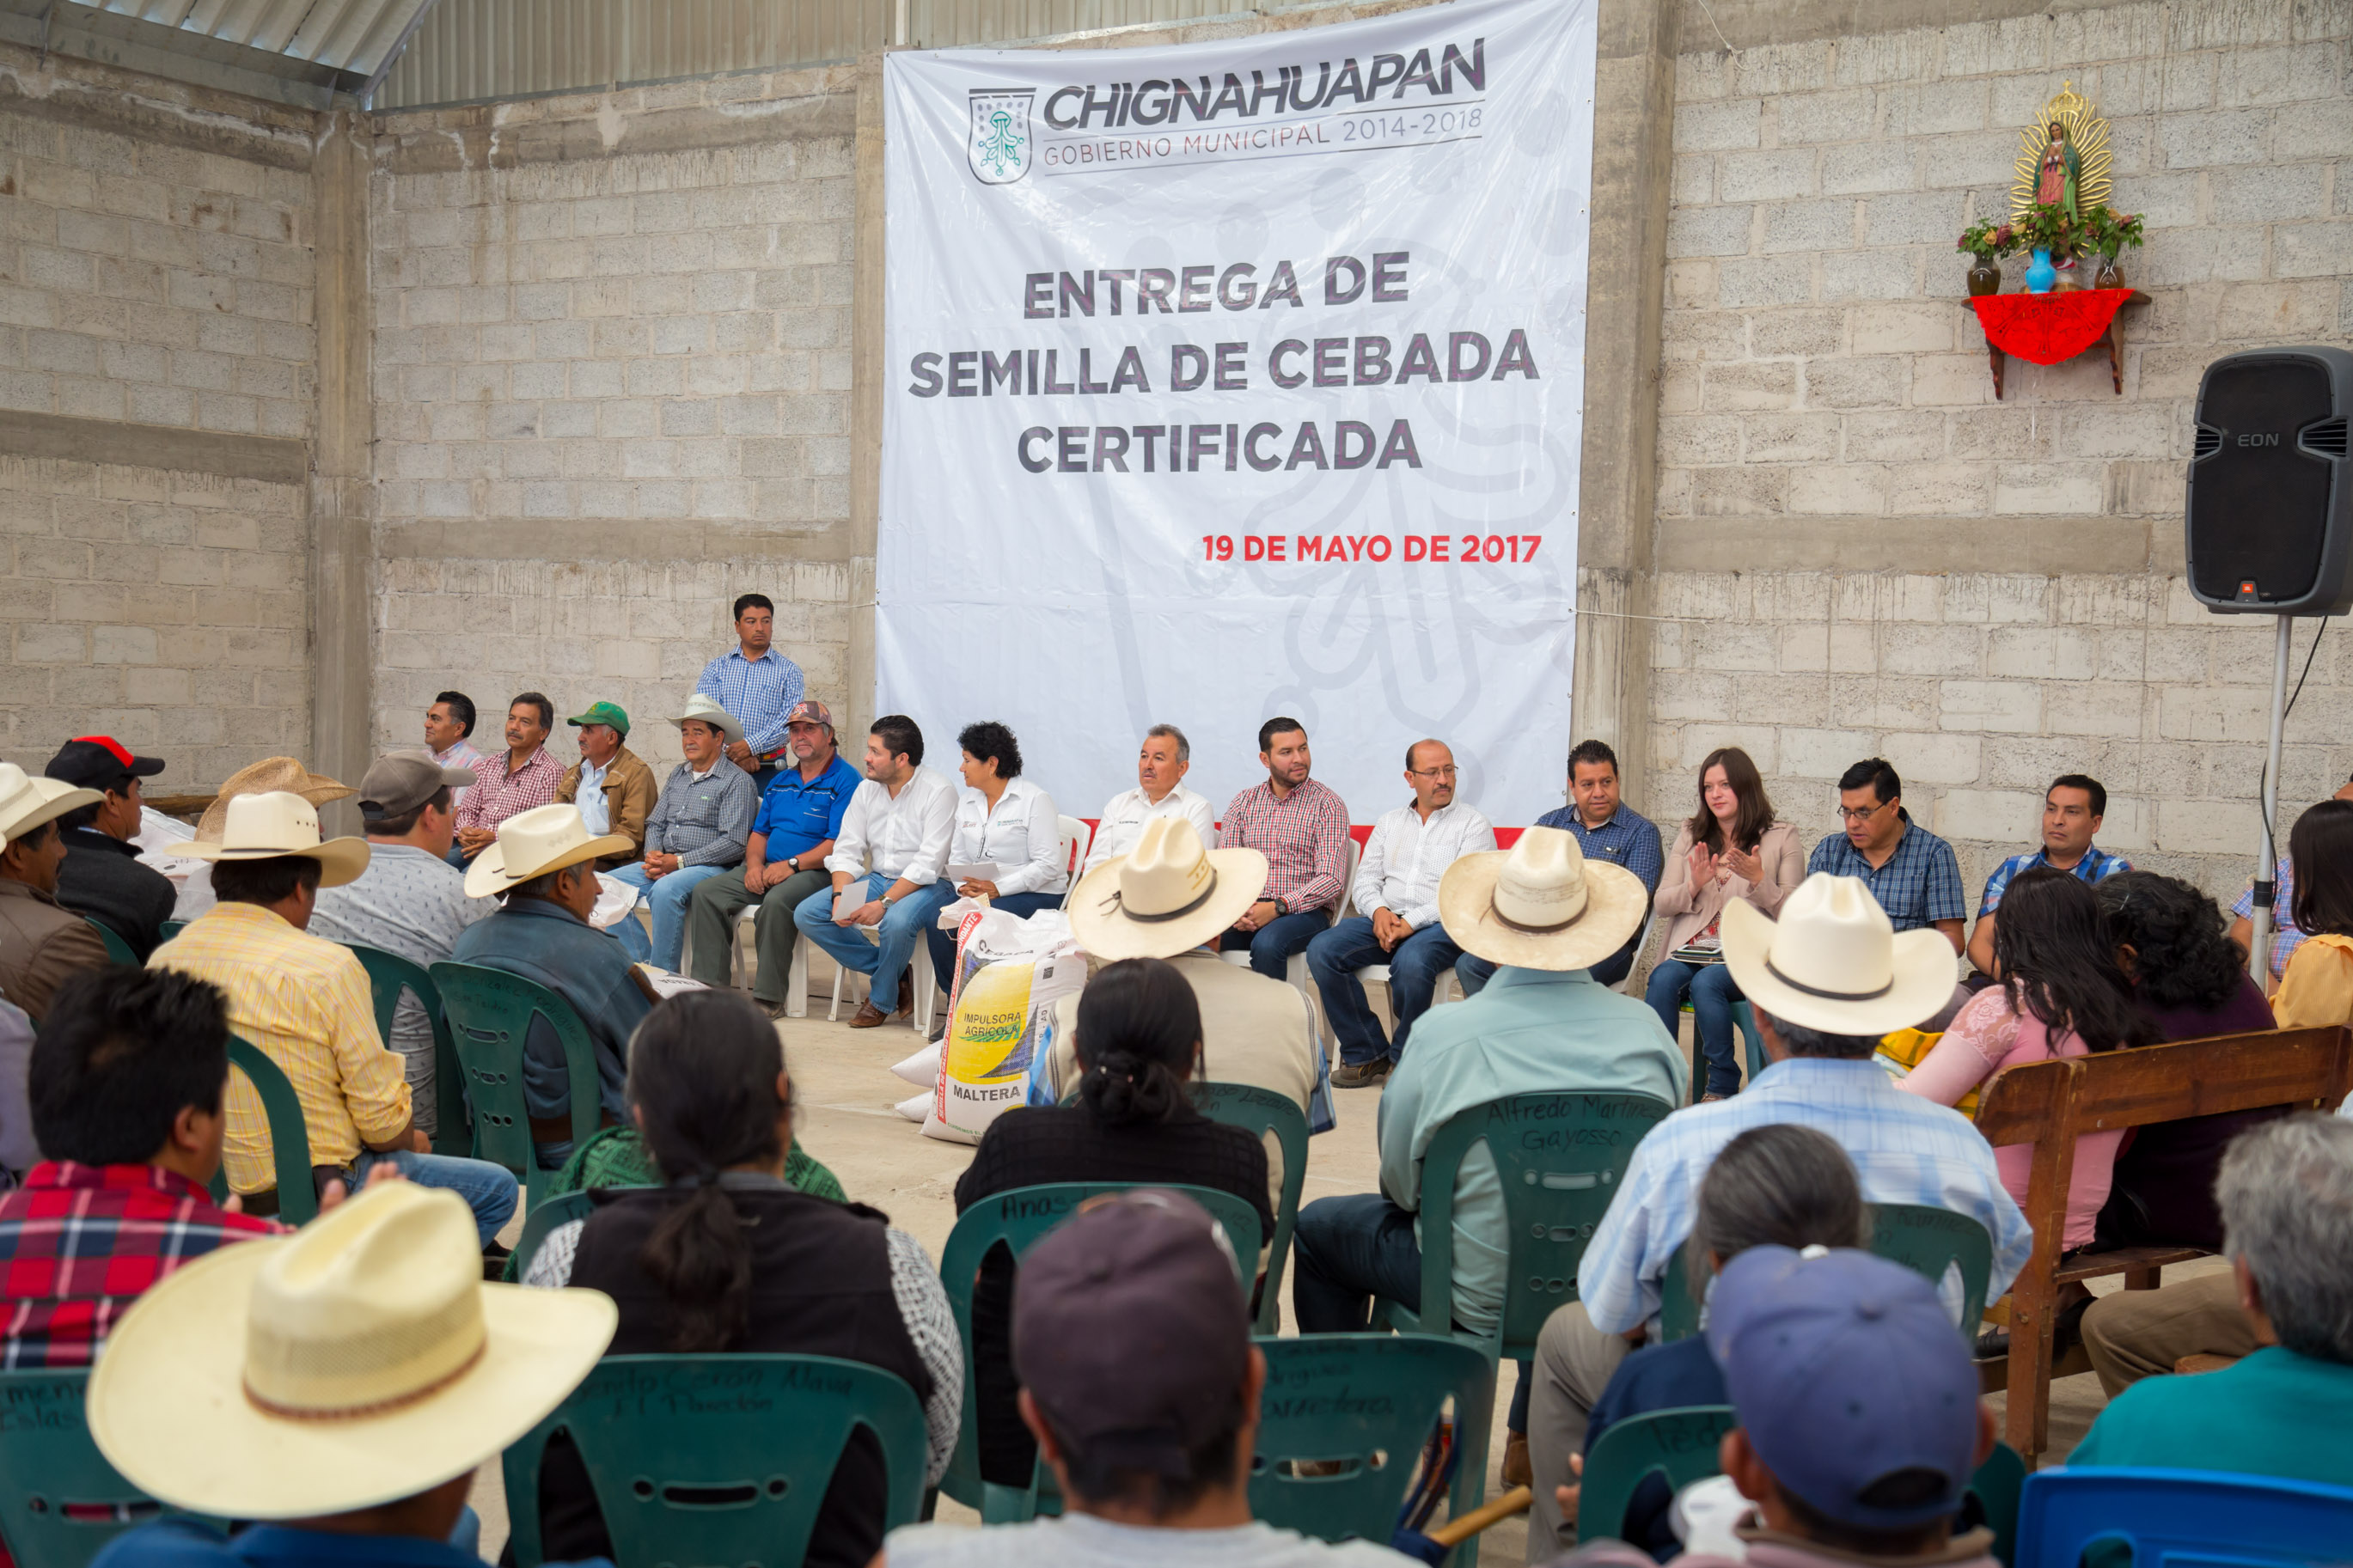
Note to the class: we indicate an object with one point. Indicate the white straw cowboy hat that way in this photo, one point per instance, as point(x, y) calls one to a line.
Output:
point(707, 710)
point(1168, 895)
point(27, 802)
point(357, 1361)
point(533, 843)
point(1540, 904)
point(1835, 963)
point(261, 778)
point(265, 827)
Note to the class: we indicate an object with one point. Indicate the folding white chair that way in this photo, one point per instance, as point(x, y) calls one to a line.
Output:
point(1077, 839)
point(796, 978)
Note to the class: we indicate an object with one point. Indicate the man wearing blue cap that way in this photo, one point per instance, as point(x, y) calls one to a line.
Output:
point(1860, 1420)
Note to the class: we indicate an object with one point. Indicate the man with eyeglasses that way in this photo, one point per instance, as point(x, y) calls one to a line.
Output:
point(1910, 870)
point(1396, 895)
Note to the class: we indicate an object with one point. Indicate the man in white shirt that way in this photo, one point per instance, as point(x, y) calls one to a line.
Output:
point(900, 821)
point(1160, 769)
point(1396, 895)
point(450, 735)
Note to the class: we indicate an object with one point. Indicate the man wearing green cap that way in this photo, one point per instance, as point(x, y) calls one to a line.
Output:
point(614, 790)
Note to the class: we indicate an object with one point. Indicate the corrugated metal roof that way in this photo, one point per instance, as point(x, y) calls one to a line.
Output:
point(357, 37)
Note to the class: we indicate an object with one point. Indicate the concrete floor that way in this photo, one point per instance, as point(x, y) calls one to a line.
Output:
point(846, 1091)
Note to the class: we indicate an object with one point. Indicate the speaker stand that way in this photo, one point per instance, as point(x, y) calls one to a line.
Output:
point(2260, 913)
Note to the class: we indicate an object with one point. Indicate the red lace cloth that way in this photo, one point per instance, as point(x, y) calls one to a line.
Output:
point(2048, 328)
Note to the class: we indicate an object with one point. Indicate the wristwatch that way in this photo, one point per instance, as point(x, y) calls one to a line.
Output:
point(1282, 908)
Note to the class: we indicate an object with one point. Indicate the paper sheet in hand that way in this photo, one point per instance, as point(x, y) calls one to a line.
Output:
point(978, 872)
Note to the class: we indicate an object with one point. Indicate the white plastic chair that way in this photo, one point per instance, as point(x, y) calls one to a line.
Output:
point(1077, 838)
point(1650, 930)
point(796, 978)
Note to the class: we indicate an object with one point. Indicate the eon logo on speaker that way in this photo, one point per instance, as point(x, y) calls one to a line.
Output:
point(2264, 438)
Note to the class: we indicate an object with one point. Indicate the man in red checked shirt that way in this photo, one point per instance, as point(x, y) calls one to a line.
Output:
point(125, 1084)
point(1302, 828)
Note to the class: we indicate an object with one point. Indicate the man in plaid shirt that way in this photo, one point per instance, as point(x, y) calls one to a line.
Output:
point(126, 1083)
point(1302, 828)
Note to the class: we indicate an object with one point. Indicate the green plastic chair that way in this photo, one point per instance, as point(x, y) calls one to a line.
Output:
point(489, 1013)
point(720, 1458)
point(117, 950)
point(172, 929)
point(60, 1499)
point(1369, 1401)
point(1018, 1218)
point(1258, 1111)
point(1997, 1487)
point(289, 1134)
point(388, 975)
point(1925, 1239)
point(1558, 1157)
point(1679, 1444)
point(545, 1218)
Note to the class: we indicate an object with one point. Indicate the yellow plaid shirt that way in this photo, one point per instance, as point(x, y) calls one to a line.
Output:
point(305, 1002)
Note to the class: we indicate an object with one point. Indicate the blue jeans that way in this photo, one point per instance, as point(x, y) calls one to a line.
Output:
point(488, 1190)
point(903, 926)
point(1345, 1251)
point(1335, 955)
point(943, 943)
point(1272, 945)
point(1712, 996)
point(665, 896)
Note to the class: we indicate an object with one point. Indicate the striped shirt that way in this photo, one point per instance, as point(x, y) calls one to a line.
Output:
point(500, 791)
point(304, 1001)
point(758, 692)
point(1304, 838)
point(2097, 865)
point(464, 755)
point(1906, 1150)
point(703, 818)
point(1920, 884)
point(79, 1244)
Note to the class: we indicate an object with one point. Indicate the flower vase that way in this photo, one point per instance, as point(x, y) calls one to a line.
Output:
point(2040, 274)
point(1984, 278)
point(2110, 276)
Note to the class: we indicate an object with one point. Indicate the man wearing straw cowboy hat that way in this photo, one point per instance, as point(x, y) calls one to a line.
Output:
point(1545, 914)
point(339, 1386)
point(1826, 982)
point(544, 860)
point(697, 830)
point(255, 778)
point(1171, 897)
point(42, 945)
point(306, 1003)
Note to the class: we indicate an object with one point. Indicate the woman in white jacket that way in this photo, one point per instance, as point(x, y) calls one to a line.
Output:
point(1005, 820)
point(1732, 848)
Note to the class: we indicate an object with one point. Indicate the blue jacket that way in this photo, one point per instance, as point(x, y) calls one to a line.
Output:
point(588, 968)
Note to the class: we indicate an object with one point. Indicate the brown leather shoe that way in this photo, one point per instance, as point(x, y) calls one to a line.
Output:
point(869, 1017)
point(1517, 1471)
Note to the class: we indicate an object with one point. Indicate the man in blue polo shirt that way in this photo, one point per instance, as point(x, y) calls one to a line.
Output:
point(1607, 829)
point(784, 860)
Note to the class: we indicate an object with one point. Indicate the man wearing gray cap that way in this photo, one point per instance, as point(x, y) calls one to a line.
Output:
point(410, 902)
point(1138, 1377)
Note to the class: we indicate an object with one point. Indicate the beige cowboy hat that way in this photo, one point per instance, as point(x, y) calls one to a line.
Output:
point(1540, 904)
point(358, 1362)
point(1168, 895)
point(1834, 961)
point(27, 802)
point(533, 843)
point(265, 827)
point(270, 774)
point(707, 710)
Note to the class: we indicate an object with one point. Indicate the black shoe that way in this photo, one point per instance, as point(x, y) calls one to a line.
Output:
point(1361, 1075)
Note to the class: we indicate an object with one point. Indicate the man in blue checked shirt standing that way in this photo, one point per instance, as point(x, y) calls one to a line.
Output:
point(1827, 982)
point(756, 684)
point(1608, 830)
point(2072, 811)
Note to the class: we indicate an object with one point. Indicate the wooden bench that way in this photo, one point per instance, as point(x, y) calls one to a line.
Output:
point(2051, 1104)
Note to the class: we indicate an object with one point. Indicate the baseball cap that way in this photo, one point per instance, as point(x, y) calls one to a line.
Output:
point(1850, 1382)
point(100, 761)
point(810, 710)
point(404, 780)
point(1130, 1330)
point(606, 713)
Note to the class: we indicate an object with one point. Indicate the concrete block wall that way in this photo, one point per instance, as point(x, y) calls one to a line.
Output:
point(612, 391)
point(166, 609)
point(1881, 557)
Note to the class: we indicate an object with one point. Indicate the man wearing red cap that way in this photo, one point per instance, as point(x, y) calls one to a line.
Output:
point(102, 876)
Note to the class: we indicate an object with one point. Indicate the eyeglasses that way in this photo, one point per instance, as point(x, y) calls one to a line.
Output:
point(1444, 772)
point(1865, 814)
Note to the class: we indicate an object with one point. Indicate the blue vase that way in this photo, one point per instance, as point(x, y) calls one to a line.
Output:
point(2040, 274)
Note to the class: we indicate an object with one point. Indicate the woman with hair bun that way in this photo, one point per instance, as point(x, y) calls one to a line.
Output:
point(1139, 1046)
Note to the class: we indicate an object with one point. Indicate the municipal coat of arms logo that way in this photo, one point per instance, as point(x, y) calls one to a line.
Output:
point(998, 148)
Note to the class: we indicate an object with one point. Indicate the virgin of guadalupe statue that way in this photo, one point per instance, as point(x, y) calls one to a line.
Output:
point(2056, 178)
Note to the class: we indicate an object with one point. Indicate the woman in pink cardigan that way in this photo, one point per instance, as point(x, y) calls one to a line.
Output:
point(1731, 848)
point(2061, 994)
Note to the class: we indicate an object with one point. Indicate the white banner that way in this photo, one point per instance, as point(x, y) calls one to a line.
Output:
point(1242, 379)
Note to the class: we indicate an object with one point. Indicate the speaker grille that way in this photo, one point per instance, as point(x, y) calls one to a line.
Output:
point(2258, 499)
point(2325, 439)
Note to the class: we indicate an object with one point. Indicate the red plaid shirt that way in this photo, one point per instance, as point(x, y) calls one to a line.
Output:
point(497, 794)
point(79, 1243)
point(1304, 838)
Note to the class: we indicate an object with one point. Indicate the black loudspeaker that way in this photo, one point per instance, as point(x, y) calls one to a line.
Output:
point(2270, 515)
